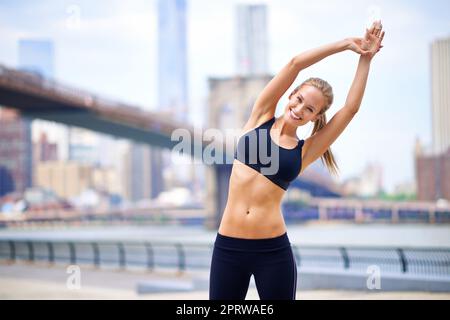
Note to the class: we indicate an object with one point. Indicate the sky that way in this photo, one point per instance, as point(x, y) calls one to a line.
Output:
point(109, 47)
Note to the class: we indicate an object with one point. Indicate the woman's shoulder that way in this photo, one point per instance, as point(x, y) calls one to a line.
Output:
point(256, 122)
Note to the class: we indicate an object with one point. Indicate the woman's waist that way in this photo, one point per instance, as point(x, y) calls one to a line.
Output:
point(251, 225)
point(238, 197)
point(254, 221)
point(253, 206)
point(265, 244)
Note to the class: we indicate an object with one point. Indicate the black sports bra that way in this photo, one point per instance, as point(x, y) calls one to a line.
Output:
point(257, 150)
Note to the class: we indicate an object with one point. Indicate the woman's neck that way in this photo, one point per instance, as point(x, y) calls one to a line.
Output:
point(284, 128)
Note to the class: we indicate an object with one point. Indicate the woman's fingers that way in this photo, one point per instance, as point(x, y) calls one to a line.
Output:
point(379, 28)
point(376, 28)
point(372, 39)
point(372, 28)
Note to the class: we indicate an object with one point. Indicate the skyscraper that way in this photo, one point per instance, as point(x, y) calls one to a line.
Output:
point(432, 175)
point(15, 152)
point(16, 169)
point(440, 95)
point(172, 85)
point(251, 39)
point(37, 55)
point(172, 58)
point(140, 162)
point(43, 150)
point(231, 99)
point(433, 168)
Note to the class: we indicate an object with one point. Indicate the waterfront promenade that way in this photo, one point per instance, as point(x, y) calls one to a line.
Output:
point(22, 281)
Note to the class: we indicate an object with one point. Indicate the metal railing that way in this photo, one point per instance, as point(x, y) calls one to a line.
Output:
point(189, 256)
point(370, 212)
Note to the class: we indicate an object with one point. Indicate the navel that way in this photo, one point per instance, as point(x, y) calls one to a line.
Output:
point(248, 212)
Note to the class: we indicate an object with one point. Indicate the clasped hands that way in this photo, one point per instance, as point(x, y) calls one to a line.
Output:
point(370, 44)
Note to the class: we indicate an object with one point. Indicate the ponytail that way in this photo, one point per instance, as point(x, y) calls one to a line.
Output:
point(327, 158)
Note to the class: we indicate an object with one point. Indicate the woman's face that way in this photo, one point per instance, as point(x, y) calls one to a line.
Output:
point(304, 105)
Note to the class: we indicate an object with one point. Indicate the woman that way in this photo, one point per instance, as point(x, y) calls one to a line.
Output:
point(252, 237)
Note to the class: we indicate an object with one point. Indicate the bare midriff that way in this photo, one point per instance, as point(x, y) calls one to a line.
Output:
point(253, 209)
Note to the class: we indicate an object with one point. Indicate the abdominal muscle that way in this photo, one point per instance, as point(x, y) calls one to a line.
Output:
point(253, 207)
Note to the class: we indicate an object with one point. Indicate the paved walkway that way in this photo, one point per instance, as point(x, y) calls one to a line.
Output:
point(26, 281)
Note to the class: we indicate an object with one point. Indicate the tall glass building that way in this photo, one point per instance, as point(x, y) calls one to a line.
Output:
point(37, 56)
point(251, 39)
point(172, 58)
point(16, 156)
point(172, 86)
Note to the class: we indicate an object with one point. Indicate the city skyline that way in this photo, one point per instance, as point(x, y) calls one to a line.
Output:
point(128, 34)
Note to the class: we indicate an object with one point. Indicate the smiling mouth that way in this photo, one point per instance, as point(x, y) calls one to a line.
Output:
point(293, 115)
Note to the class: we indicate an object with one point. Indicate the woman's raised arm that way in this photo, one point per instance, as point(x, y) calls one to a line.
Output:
point(267, 100)
point(316, 145)
point(371, 43)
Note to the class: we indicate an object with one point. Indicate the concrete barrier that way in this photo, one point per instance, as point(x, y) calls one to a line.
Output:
point(349, 280)
point(155, 286)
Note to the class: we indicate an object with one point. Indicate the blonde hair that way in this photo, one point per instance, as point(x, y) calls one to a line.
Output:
point(327, 158)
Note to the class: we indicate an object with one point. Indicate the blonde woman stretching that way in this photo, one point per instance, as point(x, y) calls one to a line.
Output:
point(252, 236)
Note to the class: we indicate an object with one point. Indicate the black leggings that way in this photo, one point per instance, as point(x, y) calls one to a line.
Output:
point(270, 260)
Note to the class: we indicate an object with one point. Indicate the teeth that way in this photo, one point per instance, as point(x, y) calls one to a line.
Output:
point(293, 115)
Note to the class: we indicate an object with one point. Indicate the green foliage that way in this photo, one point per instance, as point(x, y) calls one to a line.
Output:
point(396, 197)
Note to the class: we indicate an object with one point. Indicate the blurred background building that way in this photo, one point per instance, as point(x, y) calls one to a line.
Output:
point(173, 99)
point(433, 166)
point(251, 38)
point(16, 169)
point(367, 184)
point(440, 97)
point(38, 56)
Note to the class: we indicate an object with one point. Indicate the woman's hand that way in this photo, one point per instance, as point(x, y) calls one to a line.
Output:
point(370, 44)
point(357, 45)
point(372, 39)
